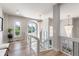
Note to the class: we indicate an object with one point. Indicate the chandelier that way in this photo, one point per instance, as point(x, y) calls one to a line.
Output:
point(68, 27)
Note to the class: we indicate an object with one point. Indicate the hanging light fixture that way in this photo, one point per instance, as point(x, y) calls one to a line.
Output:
point(68, 27)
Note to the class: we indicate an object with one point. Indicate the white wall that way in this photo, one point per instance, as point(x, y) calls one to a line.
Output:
point(1, 32)
point(75, 28)
point(1, 13)
point(71, 9)
point(0, 37)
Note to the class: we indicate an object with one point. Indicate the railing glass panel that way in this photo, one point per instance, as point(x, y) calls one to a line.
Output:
point(37, 46)
point(70, 46)
point(34, 45)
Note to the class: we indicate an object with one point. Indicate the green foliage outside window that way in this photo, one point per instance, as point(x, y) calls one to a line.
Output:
point(17, 30)
point(31, 29)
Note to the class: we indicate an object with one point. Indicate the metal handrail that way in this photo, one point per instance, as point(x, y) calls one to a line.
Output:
point(39, 44)
point(74, 41)
point(34, 37)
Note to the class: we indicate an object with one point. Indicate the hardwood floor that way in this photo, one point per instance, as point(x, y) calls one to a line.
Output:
point(20, 48)
point(52, 53)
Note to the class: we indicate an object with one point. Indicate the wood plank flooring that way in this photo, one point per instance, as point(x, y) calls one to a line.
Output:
point(52, 53)
point(20, 48)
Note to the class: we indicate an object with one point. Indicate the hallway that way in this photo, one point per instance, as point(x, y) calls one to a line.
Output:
point(20, 48)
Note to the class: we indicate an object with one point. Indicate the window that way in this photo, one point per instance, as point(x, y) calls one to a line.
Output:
point(51, 31)
point(31, 28)
point(17, 29)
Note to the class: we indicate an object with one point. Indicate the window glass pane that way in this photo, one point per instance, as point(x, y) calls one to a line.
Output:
point(51, 31)
point(17, 28)
point(31, 28)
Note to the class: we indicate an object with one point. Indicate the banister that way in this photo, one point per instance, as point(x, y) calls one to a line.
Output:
point(34, 37)
point(74, 46)
point(72, 39)
point(38, 43)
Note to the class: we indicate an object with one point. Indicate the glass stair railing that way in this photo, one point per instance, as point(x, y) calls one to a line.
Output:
point(37, 46)
point(70, 46)
point(46, 45)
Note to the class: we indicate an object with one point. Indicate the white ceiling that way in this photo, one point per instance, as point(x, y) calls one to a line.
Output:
point(32, 10)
